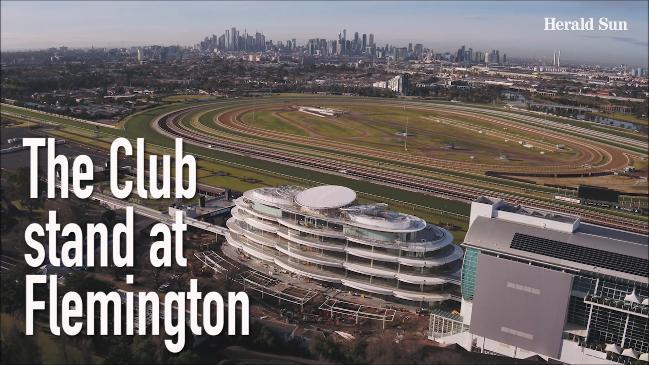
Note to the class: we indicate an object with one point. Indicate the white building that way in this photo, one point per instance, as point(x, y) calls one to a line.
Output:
point(319, 233)
point(399, 83)
point(544, 283)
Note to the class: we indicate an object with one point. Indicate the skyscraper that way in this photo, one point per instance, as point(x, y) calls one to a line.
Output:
point(460, 54)
point(371, 39)
point(234, 41)
point(419, 50)
point(357, 42)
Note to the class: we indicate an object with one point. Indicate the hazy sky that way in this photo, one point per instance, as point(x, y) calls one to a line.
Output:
point(516, 28)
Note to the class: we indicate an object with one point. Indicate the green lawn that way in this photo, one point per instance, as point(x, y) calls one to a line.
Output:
point(267, 120)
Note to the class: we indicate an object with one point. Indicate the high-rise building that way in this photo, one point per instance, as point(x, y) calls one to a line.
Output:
point(371, 39)
point(400, 83)
point(543, 283)
point(364, 43)
point(332, 48)
point(235, 39)
point(356, 43)
point(460, 55)
point(419, 50)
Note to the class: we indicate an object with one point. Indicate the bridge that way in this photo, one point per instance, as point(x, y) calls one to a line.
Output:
point(157, 215)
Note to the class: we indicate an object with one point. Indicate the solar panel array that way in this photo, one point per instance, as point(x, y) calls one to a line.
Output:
point(580, 254)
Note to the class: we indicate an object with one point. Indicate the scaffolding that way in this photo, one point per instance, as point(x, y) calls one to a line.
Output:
point(357, 311)
point(266, 285)
point(214, 261)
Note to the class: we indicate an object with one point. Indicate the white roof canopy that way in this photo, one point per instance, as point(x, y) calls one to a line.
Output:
point(630, 353)
point(613, 347)
point(632, 297)
point(326, 197)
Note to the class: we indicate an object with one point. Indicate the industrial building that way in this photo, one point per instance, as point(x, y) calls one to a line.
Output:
point(321, 233)
point(541, 283)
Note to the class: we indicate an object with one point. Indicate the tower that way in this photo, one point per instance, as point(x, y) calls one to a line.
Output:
point(559, 59)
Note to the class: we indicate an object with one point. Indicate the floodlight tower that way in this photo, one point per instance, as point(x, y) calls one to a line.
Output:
point(405, 140)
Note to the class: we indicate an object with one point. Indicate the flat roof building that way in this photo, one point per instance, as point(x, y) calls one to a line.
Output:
point(540, 283)
point(321, 233)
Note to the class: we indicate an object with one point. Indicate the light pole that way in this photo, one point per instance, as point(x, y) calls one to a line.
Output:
point(405, 141)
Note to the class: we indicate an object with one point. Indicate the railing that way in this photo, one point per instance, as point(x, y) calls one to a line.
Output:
point(444, 324)
point(629, 307)
point(408, 245)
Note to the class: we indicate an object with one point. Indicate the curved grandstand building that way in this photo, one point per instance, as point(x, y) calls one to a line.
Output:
point(322, 234)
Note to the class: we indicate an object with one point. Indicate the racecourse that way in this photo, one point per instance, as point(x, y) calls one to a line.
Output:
point(440, 162)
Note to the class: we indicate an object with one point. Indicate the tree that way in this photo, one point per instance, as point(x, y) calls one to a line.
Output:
point(186, 357)
point(265, 340)
point(85, 347)
point(157, 275)
point(8, 215)
point(82, 282)
point(13, 289)
point(144, 350)
point(20, 181)
point(108, 218)
point(326, 349)
point(178, 279)
point(383, 350)
point(18, 348)
point(120, 354)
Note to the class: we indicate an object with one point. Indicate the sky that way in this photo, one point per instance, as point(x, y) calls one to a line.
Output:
point(513, 27)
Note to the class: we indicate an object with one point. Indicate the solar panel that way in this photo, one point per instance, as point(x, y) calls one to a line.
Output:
point(580, 254)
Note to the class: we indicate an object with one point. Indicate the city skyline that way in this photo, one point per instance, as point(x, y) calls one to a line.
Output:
point(484, 25)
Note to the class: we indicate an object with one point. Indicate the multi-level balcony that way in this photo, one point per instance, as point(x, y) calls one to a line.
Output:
point(314, 229)
point(454, 254)
point(311, 242)
point(363, 247)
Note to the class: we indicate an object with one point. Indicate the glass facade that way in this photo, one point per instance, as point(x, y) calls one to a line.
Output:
point(328, 245)
point(469, 268)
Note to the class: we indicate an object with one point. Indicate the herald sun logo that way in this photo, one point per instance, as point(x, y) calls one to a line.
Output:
point(585, 24)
